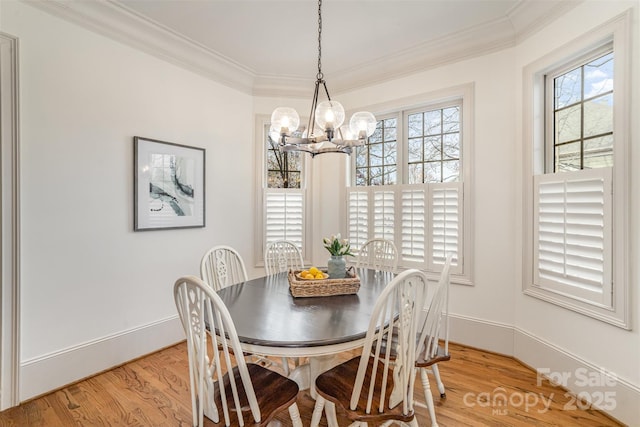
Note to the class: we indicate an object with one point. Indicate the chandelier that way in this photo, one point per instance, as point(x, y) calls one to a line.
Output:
point(325, 132)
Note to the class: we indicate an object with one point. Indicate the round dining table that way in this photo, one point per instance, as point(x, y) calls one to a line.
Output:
point(271, 322)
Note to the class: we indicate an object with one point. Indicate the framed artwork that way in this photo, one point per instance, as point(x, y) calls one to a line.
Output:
point(168, 185)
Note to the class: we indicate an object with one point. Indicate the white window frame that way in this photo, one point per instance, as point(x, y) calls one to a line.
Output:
point(462, 95)
point(261, 123)
point(617, 31)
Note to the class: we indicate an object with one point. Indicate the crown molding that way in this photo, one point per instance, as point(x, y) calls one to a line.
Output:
point(120, 23)
point(529, 17)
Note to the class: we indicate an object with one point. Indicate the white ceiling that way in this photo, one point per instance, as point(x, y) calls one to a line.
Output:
point(268, 47)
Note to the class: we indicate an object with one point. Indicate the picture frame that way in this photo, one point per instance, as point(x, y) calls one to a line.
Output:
point(169, 185)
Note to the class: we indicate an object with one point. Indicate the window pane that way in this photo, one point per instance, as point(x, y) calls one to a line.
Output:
point(450, 170)
point(598, 152)
point(568, 124)
point(568, 157)
point(433, 122)
point(390, 131)
point(390, 153)
point(415, 125)
point(433, 148)
point(375, 154)
point(361, 155)
point(415, 173)
point(432, 172)
point(389, 175)
point(598, 76)
point(598, 116)
point(451, 119)
point(452, 146)
point(362, 176)
point(568, 88)
point(415, 150)
point(274, 180)
point(391, 123)
point(294, 180)
point(375, 176)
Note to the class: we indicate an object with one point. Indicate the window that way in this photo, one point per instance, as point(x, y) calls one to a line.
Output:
point(408, 184)
point(575, 248)
point(284, 169)
point(434, 145)
point(376, 162)
point(581, 105)
point(283, 198)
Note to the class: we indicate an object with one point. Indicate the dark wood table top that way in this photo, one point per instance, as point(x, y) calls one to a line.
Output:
point(267, 315)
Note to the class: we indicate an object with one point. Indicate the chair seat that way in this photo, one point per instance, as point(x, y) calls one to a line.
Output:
point(336, 385)
point(441, 356)
point(273, 393)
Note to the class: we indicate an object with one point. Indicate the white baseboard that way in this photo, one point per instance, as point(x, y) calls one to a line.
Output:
point(52, 371)
point(492, 336)
point(613, 396)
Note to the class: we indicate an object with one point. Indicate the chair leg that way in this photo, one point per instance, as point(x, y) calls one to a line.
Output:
point(428, 397)
point(295, 415)
point(436, 374)
point(332, 418)
point(285, 366)
point(317, 411)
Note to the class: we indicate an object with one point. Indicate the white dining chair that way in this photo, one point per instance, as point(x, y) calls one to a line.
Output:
point(378, 254)
point(282, 255)
point(374, 388)
point(222, 266)
point(433, 328)
point(224, 388)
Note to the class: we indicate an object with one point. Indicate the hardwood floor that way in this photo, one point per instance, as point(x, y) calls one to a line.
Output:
point(483, 389)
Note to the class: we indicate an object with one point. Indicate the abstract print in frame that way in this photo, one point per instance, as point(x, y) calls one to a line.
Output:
point(168, 185)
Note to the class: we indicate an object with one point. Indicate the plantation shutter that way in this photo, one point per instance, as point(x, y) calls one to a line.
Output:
point(413, 223)
point(284, 215)
point(446, 224)
point(573, 233)
point(383, 214)
point(358, 207)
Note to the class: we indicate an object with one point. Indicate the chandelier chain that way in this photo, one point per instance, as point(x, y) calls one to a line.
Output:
point(319, 76)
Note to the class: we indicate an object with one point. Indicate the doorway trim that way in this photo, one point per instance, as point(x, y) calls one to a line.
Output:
point(9, 223)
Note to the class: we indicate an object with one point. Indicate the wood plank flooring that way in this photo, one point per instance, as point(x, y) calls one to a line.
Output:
point(483, 389)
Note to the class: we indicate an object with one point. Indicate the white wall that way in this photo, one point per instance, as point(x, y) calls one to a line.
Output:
point(95, 293)
point(545, 330)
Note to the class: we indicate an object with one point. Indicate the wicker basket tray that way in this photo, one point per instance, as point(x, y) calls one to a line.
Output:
point(323, 287)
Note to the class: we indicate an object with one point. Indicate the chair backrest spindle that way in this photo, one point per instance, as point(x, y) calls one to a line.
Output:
point(222, 266)
point(281, 256)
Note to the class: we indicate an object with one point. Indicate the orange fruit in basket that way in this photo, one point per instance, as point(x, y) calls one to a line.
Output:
point(314, 271)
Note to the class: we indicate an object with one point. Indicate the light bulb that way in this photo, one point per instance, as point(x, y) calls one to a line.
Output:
point(285, 120)
point(274, 134)
point(329, 115)
point(362, 124)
